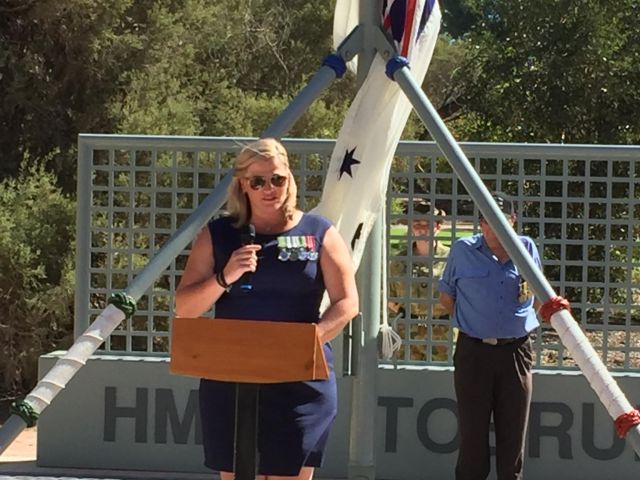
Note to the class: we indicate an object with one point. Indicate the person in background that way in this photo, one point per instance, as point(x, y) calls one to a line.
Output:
point(295, 257)
point(493, 309)
point(425, 262)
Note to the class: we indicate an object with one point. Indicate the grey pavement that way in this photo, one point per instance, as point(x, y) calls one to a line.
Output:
point(33, 472)
point(30, 471)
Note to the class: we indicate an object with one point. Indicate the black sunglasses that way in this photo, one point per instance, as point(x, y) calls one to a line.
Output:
point(258, 182)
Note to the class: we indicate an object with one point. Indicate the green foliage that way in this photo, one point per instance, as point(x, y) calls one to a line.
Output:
point(553, 71)
point(250, 113)
point(441, 85)
point(187, 67)
point(457, 18)
point(223, 68)
point(198, 67)
point(59, 63)
point(36, 273)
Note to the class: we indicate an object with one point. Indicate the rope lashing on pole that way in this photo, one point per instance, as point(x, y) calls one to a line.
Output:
point(626, 422)
point(76, 357)
point(125, 303)
point(25, 411)
point(553, 305)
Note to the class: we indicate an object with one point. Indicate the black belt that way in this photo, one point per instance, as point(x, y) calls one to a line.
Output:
point(494, 341)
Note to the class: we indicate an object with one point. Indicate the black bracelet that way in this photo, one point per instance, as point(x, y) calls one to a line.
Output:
point(222, 281)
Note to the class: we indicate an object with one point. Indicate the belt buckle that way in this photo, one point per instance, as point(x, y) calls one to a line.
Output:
point(490, 341)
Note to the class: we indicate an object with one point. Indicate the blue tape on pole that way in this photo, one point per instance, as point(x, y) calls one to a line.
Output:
point(395, 64)
point(336, 63)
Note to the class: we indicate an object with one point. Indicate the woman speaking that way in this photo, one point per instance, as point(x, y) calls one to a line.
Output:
point(292, 259)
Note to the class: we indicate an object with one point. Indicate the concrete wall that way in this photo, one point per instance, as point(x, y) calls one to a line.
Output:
point(130, 413)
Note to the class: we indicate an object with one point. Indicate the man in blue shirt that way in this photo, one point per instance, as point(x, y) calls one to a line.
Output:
point(492, 307)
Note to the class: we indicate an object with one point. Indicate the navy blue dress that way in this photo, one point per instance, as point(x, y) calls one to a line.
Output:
point(294, 418)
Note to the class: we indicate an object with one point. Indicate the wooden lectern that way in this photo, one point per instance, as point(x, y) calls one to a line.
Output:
point(249, 353)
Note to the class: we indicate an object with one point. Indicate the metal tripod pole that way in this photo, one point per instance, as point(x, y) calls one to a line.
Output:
point(571, 335)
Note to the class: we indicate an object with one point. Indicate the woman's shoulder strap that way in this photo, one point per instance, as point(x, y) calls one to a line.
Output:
point(220, 225)
point(317, 221)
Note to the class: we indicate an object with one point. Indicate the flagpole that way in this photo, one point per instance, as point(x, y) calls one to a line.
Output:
point(361, 464)
point(570, 333)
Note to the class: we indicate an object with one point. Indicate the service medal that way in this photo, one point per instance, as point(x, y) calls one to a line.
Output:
point(291, 248)
point(310, 240)
point(283, 251)
point(283, 255)
point(301, 249)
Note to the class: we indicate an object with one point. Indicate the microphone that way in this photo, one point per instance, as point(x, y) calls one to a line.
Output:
point(247, 237)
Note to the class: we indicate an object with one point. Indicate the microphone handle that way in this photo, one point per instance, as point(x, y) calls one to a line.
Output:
point(247, 238)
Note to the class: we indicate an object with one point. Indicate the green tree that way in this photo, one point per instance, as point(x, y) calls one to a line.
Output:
point(552, 71)
point(59, 63)
point(212, 68)
point(36, 273)
point(457, 18)
point(442, 85)
point(189, 67)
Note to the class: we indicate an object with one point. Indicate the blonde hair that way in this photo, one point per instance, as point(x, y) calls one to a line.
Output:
point(264, 149)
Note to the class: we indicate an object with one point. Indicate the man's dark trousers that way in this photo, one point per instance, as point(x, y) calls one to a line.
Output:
point(492, 380)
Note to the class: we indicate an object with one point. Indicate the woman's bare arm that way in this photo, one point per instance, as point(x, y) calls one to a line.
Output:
point(339, 279)
point(198, 289)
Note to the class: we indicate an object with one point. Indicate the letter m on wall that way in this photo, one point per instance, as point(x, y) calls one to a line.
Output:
point(166, 415)
point(167, 412)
